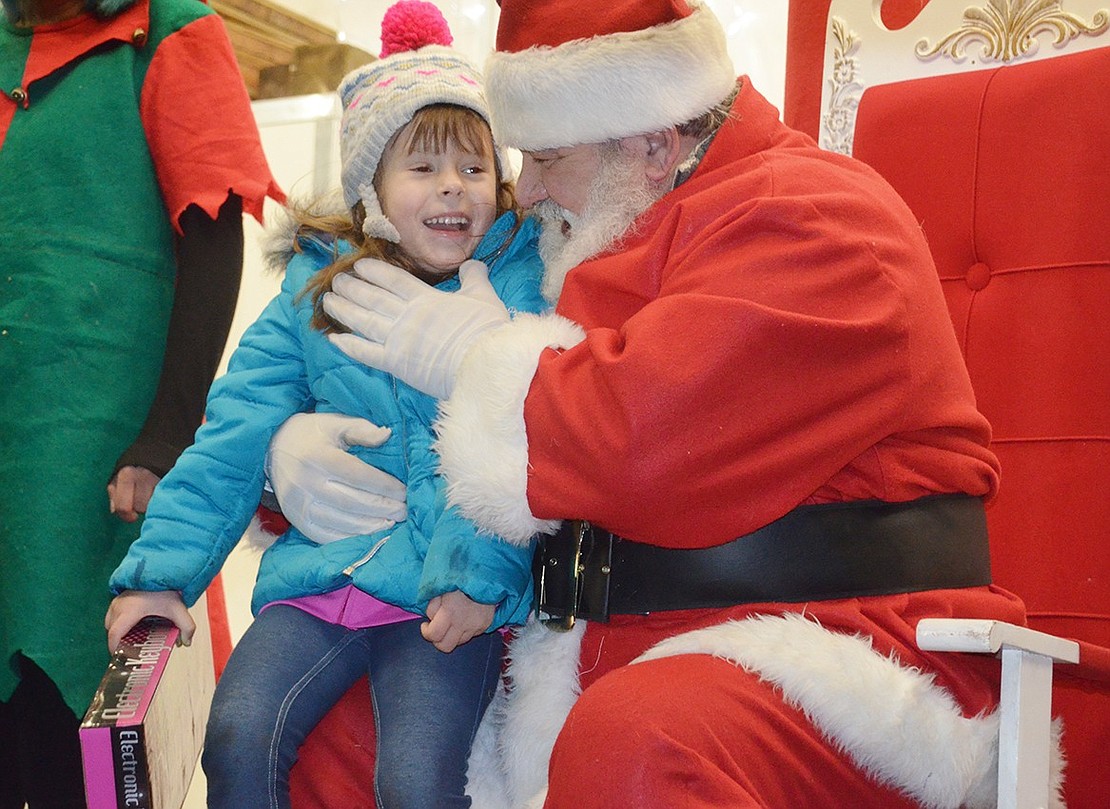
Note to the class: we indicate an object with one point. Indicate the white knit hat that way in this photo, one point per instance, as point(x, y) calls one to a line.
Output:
point(416, 70)
point(567, 72)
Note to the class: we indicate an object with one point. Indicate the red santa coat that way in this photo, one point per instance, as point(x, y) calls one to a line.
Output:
point(774, 335)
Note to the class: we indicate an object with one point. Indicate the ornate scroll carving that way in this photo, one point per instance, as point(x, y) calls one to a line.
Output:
point(839, 120)
point(1007, 29)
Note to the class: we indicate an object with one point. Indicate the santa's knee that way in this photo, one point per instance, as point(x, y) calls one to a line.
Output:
point(649, 710)
point(642, 734)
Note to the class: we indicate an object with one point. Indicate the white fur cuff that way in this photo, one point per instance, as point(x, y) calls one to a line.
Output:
point(482, 443)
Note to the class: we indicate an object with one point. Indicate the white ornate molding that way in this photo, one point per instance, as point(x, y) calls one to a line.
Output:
point(844, 91)
point(1007, 29)
point(948, 36)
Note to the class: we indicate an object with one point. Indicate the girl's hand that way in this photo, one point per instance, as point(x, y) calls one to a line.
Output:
point(455, 619)
point(131, 606)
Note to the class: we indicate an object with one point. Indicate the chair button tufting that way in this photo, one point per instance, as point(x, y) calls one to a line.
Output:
point(978, 276)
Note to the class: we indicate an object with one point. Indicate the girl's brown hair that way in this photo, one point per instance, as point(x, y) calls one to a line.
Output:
point(432, 128)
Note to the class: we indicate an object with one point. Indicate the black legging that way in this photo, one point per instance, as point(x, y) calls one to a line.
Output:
point(40, 753)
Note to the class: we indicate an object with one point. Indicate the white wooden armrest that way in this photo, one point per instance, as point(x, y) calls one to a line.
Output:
point(1025, 703)
point(988, 637)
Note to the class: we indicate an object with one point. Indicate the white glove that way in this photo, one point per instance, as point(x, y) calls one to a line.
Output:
point(323, 490)
point(406, 328)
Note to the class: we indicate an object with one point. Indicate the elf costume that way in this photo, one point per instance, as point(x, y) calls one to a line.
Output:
point(112, 124)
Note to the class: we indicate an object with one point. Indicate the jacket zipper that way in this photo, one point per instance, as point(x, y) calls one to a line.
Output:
point(349, 570)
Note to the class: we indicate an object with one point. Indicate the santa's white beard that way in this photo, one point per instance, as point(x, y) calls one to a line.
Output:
point(617, 196)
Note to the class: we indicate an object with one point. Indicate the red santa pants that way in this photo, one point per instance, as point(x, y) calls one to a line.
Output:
point(697, 732)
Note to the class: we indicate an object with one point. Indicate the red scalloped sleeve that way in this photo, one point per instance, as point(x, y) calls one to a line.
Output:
point(199, 124)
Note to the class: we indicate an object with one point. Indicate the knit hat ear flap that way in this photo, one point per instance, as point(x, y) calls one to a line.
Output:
point(416, 70)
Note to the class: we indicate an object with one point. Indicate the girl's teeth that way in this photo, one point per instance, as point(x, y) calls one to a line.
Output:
point(458, 222)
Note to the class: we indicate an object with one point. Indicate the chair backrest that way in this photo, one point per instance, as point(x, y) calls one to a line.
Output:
point(993, 123)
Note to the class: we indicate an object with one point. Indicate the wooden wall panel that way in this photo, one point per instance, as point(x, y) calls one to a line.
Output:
point(265, 34)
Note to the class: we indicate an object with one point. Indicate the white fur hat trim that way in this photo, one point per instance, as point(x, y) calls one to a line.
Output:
point(612, 86)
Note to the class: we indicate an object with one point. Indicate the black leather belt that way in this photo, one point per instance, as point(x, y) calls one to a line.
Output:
point(814, 553)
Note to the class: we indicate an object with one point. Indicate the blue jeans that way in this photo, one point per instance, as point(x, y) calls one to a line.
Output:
point(290, 667)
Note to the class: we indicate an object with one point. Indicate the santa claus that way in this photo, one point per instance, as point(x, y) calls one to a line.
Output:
point(745, 433)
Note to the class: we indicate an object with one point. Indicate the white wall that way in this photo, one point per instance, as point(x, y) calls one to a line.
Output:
point(300, 136)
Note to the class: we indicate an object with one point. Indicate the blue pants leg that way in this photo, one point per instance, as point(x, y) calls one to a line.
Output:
point(290, 668)
point(427, 706)
point(284, 674)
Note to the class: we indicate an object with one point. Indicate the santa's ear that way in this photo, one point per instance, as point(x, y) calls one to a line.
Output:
point(660, 151)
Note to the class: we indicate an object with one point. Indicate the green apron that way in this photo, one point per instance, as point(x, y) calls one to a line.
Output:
point(86, 288)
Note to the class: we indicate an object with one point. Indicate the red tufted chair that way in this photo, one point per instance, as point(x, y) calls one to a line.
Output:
point(999, 140)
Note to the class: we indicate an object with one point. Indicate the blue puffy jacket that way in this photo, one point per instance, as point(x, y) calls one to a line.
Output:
point(283, 366)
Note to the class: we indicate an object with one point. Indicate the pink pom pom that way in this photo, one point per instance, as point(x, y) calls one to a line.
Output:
point(411, 24)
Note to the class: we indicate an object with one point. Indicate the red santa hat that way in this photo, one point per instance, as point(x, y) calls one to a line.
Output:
point(567, 72)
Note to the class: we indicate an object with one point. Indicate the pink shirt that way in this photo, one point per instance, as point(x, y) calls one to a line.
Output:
point(349, 607)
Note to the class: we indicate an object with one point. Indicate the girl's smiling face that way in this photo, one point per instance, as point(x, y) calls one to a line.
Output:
point(441, 200)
